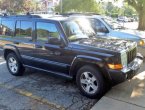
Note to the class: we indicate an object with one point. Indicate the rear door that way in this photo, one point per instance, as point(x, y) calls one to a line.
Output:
point(24, 41)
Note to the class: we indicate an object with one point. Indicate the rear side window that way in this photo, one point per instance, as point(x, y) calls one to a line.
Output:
point(6, 29)
point(24, 29)
point(45, 31)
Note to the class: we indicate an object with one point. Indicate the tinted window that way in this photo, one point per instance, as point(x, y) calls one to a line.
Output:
point(99, 26)
point(6, 29)
point(77, 29)
point(24, 29)
point(46, 31)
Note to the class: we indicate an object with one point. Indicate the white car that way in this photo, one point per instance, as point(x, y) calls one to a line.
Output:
point(105, 27)
point(123, 19)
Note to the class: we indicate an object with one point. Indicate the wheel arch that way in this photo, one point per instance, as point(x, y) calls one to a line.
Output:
point(11, 49)
point(82, 60)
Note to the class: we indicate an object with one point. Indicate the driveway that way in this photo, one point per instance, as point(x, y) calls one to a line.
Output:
point(39, 91)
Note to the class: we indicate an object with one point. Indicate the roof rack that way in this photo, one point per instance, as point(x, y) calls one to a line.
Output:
point(28, 15)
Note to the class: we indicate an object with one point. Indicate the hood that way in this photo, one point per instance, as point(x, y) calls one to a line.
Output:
point(138, 33)
point(109, 44)
point(127, 34)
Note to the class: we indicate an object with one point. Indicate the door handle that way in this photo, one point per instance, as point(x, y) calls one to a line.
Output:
point(38, 46)
point(16, 42)
point(57, 53)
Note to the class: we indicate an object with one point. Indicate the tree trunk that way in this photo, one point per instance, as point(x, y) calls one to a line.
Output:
point(141, 25)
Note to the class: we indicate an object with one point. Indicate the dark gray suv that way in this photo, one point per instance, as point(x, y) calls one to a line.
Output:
point(67, 47)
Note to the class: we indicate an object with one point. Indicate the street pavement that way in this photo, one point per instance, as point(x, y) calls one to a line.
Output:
point(36, 90)
point(129, 95)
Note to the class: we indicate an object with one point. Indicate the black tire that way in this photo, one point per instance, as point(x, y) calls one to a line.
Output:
point(20, 69)
point(99, 83)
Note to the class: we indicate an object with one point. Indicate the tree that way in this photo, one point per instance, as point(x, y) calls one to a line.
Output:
point(111, 10)
point(139, 6)
point(17, 6)
point(114, 11)
point(11, 5)
point(29, 5)
point(79, 6)
point(129, 11)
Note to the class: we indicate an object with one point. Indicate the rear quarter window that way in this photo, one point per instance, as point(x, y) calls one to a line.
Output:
point(7, 29)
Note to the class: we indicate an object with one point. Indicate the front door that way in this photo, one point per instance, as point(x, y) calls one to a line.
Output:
point(49, 54)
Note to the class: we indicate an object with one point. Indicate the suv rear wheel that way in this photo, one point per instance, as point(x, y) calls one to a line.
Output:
point(14, 65)
point(90, 82)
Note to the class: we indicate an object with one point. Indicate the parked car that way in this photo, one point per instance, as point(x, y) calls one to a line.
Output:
point(108, 28)
point(123, 19)
point(69, 48)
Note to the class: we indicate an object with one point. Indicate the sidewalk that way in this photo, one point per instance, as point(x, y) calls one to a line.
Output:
point(129, 95)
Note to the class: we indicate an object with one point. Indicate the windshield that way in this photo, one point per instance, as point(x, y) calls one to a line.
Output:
point(77, 29)
point(112, 23)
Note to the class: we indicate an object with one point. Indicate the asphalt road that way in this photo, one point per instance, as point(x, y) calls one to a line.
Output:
point(39, 91)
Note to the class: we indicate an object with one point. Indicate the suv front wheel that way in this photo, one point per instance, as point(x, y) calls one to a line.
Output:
point(14, 65)
point(90, 82)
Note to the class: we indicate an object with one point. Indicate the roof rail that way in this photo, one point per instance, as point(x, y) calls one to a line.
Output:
point(28, 15)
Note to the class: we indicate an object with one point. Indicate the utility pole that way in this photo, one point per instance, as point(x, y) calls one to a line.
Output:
point(61, 5)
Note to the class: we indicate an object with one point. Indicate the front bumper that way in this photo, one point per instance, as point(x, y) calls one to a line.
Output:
point(118, 76)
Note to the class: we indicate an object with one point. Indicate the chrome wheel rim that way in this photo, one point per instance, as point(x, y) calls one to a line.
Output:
point(13, 66)
point(89, 82)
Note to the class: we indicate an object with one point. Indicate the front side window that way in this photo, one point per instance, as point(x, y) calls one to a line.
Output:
point(46, 31)
point(24, 29)
point(112, 23)
point(7, 28)
point(98, 26)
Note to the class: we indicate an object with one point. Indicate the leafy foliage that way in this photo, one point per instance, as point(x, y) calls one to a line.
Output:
point(139, 6)
point(79, 6)
point(115, 11)
point(17, 6)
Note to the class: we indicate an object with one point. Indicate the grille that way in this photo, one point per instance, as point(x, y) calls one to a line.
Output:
point(131, 55)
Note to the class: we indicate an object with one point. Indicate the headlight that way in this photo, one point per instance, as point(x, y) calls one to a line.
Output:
point(124, 59)
point(141, 43)
point(119, 66)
